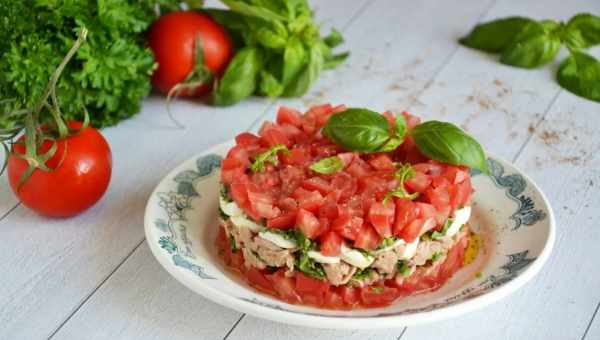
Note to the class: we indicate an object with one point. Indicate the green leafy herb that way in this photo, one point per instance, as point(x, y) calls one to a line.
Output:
point(387, 242)
point(327, 166)
point(536, 44)
point(436, 256)
point(334, 38)
point(403, 268)
point(527, 43)
point(269, 156)
point(358, 130)
point(224, 192)
point(223, 215)
point(495, 36)
point(306, 77)
point(439, 234)
point(363, 274)
point(232, 244)
point(303, 262)
point(110, 73)
point(404, 173)
point(269, 85)
point(240, 78)
point(582, 31)
point(580, 74)
point(447, 143)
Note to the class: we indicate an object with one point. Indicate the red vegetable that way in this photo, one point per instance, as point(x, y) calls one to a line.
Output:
point(173, 39)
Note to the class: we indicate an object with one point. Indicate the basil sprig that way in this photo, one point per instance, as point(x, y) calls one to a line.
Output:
point(269, 156)
point(363, 130)
point(526, 43)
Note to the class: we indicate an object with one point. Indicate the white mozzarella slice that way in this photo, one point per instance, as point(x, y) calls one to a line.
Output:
point(409, 250)
point(242, 221)
point(277, 239)
point(356, 258)
point(398, 242)
point(230, 208)
point(461, 216)
point(318, 257)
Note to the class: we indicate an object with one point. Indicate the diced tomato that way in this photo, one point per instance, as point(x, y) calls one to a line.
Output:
point(239, 193)
point(288, 204)
point(456, 174)
point(247, 139)
point(439, 197)
point(309, 200)
point(382, 161)
point(331, 244)
point(406, 212)
point(358, 168)
point(346, 184)
point(346, 157)
point(289, 116)
point(372, 184)
point(426, 210)
point(419, 183)
point(283, 221)
point(367, 238)
point(350, 295)
point(317, 183)
point(381, 217)
point(309, 123)
point(291, 179)
point(290, 131)
point(259, 280)
point(378, 296)
point(411, 121)
point(284, 286)
point(348, 226)
point(339, 108)
point(430, 168)
point(308, 286)
point(297, 156)
point(262, 202)
point(440, 182)
point(275, 137)
point(334, 300)
point(454, 260)
point(463, 192)
point(323, 226)
point(416, 228)
point(308, 223)
point(228, 176)
point(240, 155)
point(321, 113)
point(329, 210)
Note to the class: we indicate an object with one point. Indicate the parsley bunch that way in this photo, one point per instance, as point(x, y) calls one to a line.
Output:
point(109, 75)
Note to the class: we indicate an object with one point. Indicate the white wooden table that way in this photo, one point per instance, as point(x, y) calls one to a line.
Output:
point(93, 276)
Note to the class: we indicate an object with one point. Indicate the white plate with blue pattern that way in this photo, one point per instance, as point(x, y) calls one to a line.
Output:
point(509, 210)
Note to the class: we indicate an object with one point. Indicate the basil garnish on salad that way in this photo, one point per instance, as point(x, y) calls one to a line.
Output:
point(363, 130)
point(327, 166)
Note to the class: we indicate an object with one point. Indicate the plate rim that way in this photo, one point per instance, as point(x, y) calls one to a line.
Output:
point(356, 322)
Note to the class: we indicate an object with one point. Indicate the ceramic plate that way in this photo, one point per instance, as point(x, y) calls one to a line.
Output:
point(509, 211)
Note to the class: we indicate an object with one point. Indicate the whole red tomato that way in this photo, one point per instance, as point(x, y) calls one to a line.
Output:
point(75, 184)
point(173, 41)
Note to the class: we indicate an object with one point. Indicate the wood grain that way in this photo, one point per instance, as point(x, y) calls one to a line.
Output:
point(142, 301)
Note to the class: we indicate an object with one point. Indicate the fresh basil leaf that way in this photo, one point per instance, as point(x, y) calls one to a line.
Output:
point(580, 74)
point(403, 268)
point(392, 144)
point(436, 256)
point(300, 85)
point(328, 166)
point(447, 143)
point(254, 11)
point(362, 274)
point(232, 20)
point(294, 58)
point(335, 60)
point(536, 44)
point(300, 23)
point(495, 36)
point(404, 173)
point(386, 242)
point(271, 39)
point(583, 31)
point(334, 38)
point(269, 85)
point(439, 234)
point(240, 78)
point(401, 126)
point(358, 130)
